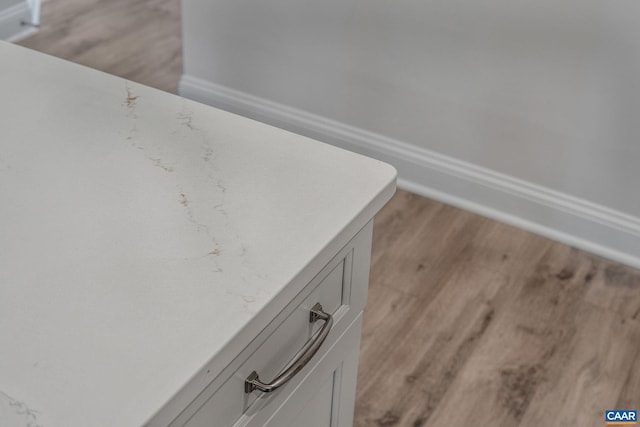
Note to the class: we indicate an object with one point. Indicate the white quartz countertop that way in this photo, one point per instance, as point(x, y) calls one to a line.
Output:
point(145, 239)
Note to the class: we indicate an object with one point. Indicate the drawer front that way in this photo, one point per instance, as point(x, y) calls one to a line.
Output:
point(325, 397)
point(341, 290)
point(280, 347)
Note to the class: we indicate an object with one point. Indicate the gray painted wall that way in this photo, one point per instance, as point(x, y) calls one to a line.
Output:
point(544, 91)
point(5, 4)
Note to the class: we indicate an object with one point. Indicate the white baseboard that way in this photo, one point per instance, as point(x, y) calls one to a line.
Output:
point(562, 217)
point(12, 22)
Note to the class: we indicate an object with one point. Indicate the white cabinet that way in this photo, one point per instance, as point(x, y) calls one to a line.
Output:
point(324, 390)
point(326, 396)
point(155, 251)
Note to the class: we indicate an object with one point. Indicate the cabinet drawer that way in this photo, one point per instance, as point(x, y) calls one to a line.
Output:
point(325, 397)
point(341, 290)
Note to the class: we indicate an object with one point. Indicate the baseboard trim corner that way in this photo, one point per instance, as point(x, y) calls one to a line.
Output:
point(558, 216)
point(12, 22)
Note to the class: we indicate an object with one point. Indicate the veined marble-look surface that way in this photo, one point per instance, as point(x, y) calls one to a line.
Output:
point(145, 239)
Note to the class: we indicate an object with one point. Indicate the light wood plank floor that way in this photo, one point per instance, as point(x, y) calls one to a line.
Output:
point(136, 39)
point(470, 322)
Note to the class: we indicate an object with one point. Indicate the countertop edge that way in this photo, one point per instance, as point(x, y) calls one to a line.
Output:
point(215, 366)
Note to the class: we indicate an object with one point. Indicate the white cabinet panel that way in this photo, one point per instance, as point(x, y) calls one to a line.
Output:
point(325, 398)
point(341, 288)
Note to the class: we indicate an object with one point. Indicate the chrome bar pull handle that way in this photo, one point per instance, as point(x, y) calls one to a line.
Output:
point(252, 382)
